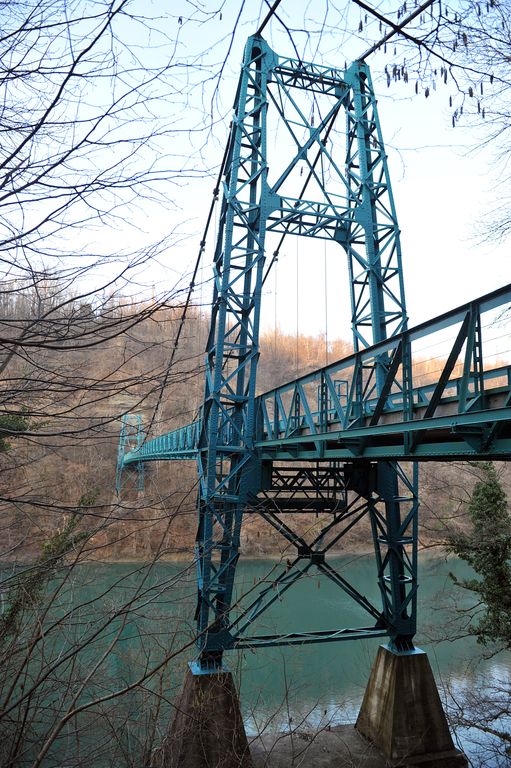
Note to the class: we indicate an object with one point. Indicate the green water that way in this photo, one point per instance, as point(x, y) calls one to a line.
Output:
point(111, 626)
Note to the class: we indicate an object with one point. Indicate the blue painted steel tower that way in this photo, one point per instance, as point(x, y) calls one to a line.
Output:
point(329, 441)
point(353, 207)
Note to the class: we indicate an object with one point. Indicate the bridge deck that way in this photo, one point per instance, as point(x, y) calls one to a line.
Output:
point(335, 413)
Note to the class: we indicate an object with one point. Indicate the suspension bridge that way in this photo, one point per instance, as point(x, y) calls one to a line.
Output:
point(331, 441)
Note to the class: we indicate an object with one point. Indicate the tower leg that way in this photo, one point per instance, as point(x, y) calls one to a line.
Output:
point(402, 713)
point(395, 538)
point(207, 729)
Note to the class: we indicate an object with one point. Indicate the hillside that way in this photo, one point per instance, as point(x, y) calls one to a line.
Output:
point(116, 361)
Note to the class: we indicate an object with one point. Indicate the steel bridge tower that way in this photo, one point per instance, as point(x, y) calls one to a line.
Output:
point(355, 209)
point(345, 198)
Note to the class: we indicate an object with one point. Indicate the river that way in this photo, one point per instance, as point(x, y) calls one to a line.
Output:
point(142, 614)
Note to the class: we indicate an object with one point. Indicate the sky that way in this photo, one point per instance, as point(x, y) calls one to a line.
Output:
point(444, 189)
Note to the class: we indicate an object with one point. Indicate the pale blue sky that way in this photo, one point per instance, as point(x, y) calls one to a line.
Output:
point(443, 190)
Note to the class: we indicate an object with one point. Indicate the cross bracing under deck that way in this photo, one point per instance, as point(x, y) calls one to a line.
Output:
point(335, 413)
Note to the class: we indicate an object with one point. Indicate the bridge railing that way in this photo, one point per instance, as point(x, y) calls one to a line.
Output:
point(179, 444)
point(457, 360)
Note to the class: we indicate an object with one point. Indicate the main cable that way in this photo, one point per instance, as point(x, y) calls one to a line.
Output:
point(270, 13)
point(396, 29)
point(202, 245)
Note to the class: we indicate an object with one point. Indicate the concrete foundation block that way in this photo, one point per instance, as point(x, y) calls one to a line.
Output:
point(402, 713)
point(207, 729)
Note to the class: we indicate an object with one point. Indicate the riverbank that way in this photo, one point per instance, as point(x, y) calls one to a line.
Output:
point(338, 746)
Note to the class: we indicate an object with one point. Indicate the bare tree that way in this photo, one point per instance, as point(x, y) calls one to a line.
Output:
point(91, 92)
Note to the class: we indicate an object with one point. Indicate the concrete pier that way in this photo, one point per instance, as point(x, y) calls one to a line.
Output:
point(207, 729)
point(401, 724)
point(402, 714)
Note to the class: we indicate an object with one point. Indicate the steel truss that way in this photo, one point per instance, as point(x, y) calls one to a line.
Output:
point(461, 413)
point(341, 412)
point(355, 210)
point(327, 442)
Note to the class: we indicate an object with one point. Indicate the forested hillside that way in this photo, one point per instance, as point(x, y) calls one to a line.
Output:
point(114, 359)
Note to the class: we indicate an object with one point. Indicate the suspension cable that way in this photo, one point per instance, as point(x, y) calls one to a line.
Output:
point(325, 287)
point(302, 192)
point(270, 13)
point(396, 29)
